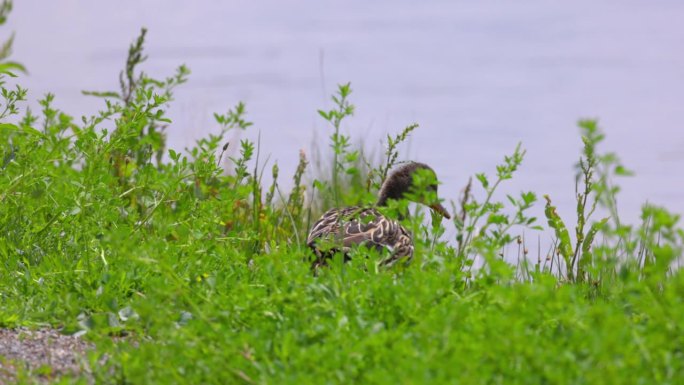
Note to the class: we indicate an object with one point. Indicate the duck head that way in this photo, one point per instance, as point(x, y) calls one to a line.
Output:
point(401, 183)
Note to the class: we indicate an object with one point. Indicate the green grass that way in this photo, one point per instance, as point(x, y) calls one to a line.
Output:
point(181, 272)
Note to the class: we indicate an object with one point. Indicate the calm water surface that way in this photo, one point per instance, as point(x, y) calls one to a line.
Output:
point(479, 77)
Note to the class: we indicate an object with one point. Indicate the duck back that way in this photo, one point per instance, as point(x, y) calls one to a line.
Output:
point(338, 230)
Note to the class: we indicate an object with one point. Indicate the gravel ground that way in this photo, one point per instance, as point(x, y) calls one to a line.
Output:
point(44, 353)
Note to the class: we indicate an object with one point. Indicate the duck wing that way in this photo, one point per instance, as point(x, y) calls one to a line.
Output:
point(350, 226)
point(330, 223)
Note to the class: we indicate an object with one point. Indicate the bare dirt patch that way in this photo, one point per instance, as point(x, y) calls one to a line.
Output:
point(45, 354)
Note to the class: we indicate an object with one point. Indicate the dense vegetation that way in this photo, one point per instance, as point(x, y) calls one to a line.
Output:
point(183, 267)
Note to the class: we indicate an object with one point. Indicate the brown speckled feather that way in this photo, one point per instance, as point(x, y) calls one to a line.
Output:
point(341, 229)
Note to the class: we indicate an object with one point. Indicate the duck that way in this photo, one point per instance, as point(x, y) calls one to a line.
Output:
point(341, 229)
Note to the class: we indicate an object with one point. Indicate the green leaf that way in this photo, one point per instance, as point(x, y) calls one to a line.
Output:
point(318, 185)
point(106, 94)
point(565, 247)
point(512, 200)
point(483, 180)
point(529, 197)
point(497, 219)
point(8, 126)
point(587, 256)
point(325, 115)
point(7, 67)
point(352, 171)
point(622, 171)
point(26, 129)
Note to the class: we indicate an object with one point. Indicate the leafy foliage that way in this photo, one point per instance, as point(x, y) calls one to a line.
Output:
point(181, 271)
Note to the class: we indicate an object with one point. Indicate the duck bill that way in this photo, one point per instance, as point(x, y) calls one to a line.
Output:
point(441, 210)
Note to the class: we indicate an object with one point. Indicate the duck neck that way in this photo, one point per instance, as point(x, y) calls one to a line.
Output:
point(382, 201)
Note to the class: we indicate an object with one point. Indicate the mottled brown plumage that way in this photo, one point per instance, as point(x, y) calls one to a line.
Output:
point(339, 229)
